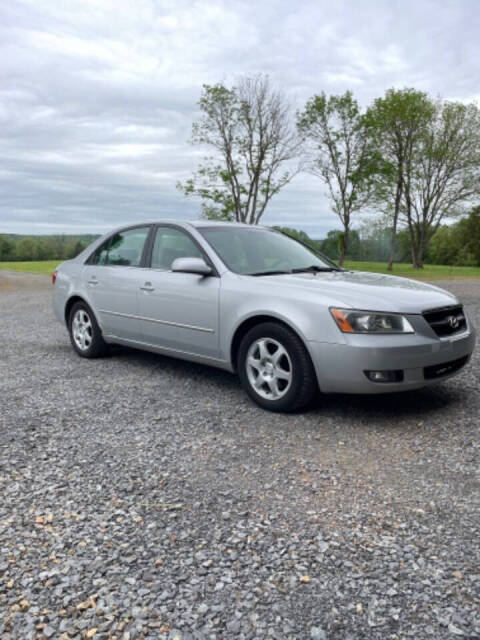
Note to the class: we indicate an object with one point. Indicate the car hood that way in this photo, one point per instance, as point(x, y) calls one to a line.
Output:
point(367, 291)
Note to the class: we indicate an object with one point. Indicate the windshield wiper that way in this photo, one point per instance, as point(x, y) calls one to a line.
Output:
point(314, 269)
point(276, 272)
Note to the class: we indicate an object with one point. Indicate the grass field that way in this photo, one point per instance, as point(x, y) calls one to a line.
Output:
point(429, 272)
point(44, 266)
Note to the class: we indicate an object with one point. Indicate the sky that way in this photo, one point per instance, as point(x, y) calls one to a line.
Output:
point(97, 97)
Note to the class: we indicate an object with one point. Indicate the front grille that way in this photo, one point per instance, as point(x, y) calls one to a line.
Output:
point(444, 369)
point(446, 321)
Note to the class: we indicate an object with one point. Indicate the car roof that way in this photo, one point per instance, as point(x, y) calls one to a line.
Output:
point(190, 223)
point(219, 223)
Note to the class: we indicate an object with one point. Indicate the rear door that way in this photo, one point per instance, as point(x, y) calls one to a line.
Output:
point(112, 277)
point(179, 311)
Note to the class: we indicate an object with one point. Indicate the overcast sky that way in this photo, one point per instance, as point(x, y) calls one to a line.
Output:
point(97, 97)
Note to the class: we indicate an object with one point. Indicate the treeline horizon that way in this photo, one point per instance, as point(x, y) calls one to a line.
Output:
point(29, 248)
point(457, 244)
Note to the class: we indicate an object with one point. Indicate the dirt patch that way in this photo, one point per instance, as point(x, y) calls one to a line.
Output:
point(5, 285)
point(17, 281)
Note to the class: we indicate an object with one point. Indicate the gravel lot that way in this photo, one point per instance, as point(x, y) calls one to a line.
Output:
point(143, 497)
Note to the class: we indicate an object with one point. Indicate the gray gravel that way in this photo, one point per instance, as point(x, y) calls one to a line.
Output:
point(143, 497)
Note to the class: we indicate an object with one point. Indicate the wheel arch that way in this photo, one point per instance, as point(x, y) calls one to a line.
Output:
point(73, 300)
point(252, 321)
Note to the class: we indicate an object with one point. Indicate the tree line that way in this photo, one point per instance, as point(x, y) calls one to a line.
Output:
point(407, 163)
point(54, 247)
point(456, 244)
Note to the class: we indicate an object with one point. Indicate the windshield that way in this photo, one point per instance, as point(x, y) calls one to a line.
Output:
point(254, 251)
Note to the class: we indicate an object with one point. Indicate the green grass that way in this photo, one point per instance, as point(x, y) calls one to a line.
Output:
point(44, 266)
point(429, 272)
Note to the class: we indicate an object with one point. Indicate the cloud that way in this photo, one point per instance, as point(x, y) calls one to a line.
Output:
point(97, 97)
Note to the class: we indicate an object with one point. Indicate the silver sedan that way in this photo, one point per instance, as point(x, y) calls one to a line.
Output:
point(255, 301)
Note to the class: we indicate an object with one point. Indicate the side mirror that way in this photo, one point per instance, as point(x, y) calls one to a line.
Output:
point(191, 265)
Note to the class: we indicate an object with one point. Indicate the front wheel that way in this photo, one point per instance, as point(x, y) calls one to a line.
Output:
point(85, 334)
point(275, 368)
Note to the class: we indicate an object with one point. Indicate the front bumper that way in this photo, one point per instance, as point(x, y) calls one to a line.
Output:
point(340, 367)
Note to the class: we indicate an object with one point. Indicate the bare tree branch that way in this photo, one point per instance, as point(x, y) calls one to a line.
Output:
point(250, 127)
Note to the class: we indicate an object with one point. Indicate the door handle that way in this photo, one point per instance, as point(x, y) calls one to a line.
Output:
point(93, 280)
point(147, 287)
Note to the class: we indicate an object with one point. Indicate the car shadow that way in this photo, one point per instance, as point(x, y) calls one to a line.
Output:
point(400, 405)
point(158, 362)
point(418, 404)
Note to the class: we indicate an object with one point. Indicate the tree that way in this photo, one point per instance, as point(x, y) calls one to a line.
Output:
point(330, 244)
point(459, 243)
point(395, 124)
point(73, 248)
point(26, 249)
point(7, 248)
point(374, 240)
point(470, 236)
point(297, 234)
point(443, 247)
point(249, 128)
point(333, 243)
point(45, 248)
point(445, 174)
point(339, 154)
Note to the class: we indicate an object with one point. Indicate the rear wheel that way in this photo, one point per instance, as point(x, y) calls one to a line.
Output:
point(275, 368)
point(85, 334)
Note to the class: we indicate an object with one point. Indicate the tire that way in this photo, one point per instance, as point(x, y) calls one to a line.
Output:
point(85, 334)
point(275, 368)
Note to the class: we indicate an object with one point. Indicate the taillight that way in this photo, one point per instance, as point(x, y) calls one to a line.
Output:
point(54, 277)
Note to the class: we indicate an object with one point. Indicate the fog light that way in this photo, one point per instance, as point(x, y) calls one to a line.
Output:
point(385, 376)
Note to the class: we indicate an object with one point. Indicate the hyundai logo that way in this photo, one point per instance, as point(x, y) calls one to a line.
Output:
point(453, 321)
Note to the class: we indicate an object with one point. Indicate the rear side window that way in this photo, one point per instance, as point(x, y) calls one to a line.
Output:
point(126, 247)
point(171, 244)
point(123, 249)
point(100, 255)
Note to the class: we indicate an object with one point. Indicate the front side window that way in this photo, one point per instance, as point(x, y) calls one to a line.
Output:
point(170, 244)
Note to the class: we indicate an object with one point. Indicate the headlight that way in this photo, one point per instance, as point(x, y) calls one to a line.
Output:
point(350, 321)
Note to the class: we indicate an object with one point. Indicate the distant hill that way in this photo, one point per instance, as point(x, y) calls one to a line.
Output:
point(14, 246)
point(85, 238)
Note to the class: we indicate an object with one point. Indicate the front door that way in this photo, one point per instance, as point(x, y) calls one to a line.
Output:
point(112, 278)
point(179, 311)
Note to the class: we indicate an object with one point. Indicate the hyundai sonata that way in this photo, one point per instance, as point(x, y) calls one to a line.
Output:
point(255, 301)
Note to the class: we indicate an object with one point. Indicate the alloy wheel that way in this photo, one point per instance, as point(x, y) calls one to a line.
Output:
point(82, 329)
point(269, 368)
